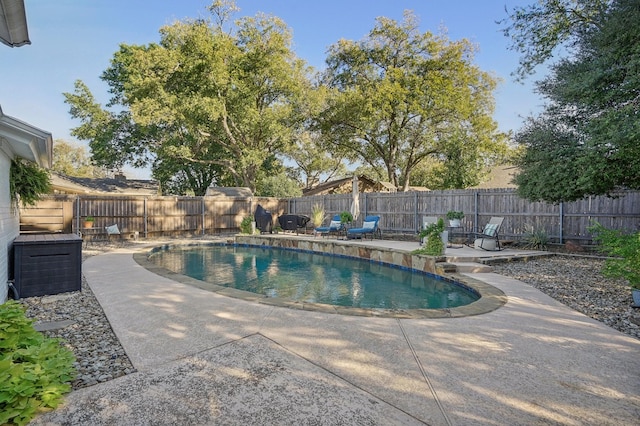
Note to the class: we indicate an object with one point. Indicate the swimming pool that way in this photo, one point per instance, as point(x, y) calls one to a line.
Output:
point(313, 277)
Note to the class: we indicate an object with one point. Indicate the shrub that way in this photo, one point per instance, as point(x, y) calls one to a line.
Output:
point(434, 245)
point(346, 217)
point(625, 252)
point(35, 371)
point(317, 215)
point(452, 214)
point(245, 225)
point(536, 239)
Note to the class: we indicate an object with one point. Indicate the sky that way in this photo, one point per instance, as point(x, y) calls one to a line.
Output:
point(76, 39)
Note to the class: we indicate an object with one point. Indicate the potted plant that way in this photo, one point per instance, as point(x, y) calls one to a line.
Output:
point(454, 218)
point(624, 250)
point(434, 238)
point(88, 222)
point(317, 215)
point(346, 218)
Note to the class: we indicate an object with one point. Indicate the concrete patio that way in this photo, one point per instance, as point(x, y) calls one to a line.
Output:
point(204, 358)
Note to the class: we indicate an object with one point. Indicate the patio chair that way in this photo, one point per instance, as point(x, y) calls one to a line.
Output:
point(335, 227)
point(488, 238)
point(369, 227)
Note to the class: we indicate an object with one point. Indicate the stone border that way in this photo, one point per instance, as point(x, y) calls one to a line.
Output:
point(491, 298)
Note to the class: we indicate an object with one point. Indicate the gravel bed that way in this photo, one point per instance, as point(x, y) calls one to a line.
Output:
point(572, 280)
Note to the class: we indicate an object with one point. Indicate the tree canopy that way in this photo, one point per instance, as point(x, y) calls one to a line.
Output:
point(201, 97)
point(540, 29)
point(73, 160)
point(401, 97)
point(587, 140)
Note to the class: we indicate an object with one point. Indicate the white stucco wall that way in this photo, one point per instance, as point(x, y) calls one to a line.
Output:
point(9, 224)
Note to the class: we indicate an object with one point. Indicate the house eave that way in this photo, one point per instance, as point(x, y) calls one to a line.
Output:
point(26, 141)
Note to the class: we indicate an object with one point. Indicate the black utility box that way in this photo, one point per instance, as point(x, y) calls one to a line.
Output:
point(47, 264)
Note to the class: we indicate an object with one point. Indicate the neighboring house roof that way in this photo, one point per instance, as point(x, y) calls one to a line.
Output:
point(20, 139)
point(13, 23)
point(114, 186)
point(344, 185)
point(228, 191)
point(499, 177)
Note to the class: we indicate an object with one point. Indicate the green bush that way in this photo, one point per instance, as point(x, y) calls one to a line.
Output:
point(245, 225)
point(35, 371)
point(625, 252)
point(434, 245)
point(536, 239)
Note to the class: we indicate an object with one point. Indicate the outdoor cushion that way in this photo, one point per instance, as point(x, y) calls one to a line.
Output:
point(335, 224)
point(112, 230)
point(368, 225)
point(490, 229)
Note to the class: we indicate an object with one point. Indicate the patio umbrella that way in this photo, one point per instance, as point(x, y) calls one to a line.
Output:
point(355, 201)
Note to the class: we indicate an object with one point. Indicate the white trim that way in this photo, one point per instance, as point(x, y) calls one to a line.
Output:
point(26, 141)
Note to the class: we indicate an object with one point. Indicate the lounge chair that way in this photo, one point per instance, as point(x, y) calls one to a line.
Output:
point(369, 227)
point(335, 227)
point(488, 238)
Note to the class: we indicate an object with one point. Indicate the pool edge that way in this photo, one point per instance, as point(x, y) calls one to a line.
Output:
point(491, 298)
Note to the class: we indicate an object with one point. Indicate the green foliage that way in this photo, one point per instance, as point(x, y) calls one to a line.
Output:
point(27, 182)
point(245, 225)
point(72, 160)
point(201, 96)
point(537, 30)
point(401, 98)
point(89, 219)
point(625, 252)
point(453, 214)
point(35, 371)
point(280, 186)
point(346, 217)
point(587, 141)
point(317, 215)
point(434, 245)
point(536, 239)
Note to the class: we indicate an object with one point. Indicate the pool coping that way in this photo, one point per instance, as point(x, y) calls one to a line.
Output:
point(491, 298)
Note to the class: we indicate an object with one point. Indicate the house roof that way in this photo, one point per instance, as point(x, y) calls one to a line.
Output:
point(13, 23)
point(114, 186)
point(344, 185)
point(499, 177)
point(20, 139)
point(228, 191)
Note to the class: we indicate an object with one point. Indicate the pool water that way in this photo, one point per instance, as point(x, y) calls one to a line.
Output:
point(314, 278)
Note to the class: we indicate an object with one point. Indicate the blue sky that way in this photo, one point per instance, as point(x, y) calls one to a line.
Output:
point(75, 39)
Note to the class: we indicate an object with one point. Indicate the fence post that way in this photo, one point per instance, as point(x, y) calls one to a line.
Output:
point(561, 222)
point(203, 215)
point(476, 197)
point(145, 216)
point(78, 214)
point(415, 210)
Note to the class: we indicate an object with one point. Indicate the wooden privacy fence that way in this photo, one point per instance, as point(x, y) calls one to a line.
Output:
point(402, 212)
point(148, 216)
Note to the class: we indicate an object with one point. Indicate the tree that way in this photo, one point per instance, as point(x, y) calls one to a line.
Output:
point(72, 160)
point(316, 164)
point(401, 97)
point(540, 29)
point(200, 96)
point(587, 141)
